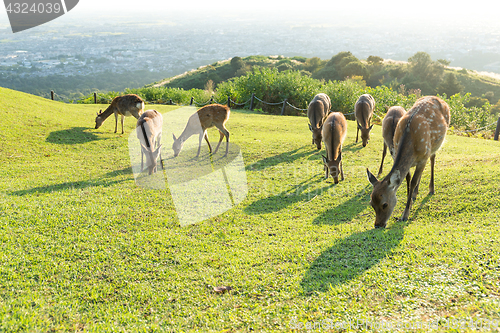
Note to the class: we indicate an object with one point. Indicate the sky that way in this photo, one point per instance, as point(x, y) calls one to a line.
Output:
point(424, 10)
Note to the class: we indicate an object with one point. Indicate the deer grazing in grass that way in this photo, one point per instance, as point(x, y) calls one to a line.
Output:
point(363, 111)
point(126, 105)
point(148, 131)
point(419, 135)
point(334, 133)
point(389, 124)
point(206, 117)
point(317, 110)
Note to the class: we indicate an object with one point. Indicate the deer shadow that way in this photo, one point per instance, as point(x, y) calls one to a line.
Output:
point(353, 147)
point(298, 193)
point(350, 257)
point(287, 157)
point(346, 211)
point(71, 136)
point(78, 184)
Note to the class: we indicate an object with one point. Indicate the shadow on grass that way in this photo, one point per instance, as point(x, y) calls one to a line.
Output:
point(287, 157)
point(353, 147)
point(350, 257)
point(75, 135)
point(79, 184)
point(346, 211)
point(274, 203)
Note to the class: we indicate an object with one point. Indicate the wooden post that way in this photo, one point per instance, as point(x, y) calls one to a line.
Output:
point(192, 101)
point(52, 94)
point(170, 102)
point(251, 102)
point(211, 100)
point(95, 98)
point(229, 101)
point(497, 131)
point(283, 108)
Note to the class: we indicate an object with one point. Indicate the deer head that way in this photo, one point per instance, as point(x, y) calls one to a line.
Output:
point(365, 134)
point(151, 158)
point(383, 198)
point(177, 145)
point(332, 167)
point(98, 120)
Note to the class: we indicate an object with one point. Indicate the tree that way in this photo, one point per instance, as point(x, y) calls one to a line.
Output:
point(374, 60)
point(425, 70)
point(237, 63)
point(313, 64)
point(450, 85)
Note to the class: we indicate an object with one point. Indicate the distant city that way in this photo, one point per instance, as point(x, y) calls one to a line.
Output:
point(171, 45)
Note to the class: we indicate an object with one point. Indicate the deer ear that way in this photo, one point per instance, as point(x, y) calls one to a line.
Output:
point(339, 158)
point(144, 148)
point(395, 179)
point(371, 178)
point(371, 127)
point(173, 135)
point(359, 126)
point(310, 127)
point(325, 160)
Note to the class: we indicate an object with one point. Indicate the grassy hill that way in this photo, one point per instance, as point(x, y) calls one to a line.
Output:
point(85, 249)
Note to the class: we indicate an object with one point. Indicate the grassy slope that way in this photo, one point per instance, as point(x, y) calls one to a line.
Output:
point(84, 248)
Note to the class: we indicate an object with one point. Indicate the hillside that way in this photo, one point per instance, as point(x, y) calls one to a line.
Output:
point(374, 71)
point(85, 249)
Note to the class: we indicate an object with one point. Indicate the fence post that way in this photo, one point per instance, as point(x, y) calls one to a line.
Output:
point(283, 108)
point(229, 101)
point(170, 102)
point(192, 100)
point(52, 94)
point(497, 131)
point(251, 101)
point(211, 100)
point(95, 98)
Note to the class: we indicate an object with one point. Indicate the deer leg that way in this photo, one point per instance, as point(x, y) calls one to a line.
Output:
point(431, 183)
point(414, 184)
point(199, 143)
point(208, 142)
point(142, 161)
point(116, 122)
point(357, 131)
point(383, 157)
point(123, 118)
point(220, 140)
point(341, 171)
point(408, 181)
point(224, 131)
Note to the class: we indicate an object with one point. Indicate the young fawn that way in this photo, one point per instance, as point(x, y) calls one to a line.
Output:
point(334, 133)
point(126, 105)
point(148, 131)
point(419, 135)
point(363, 111)
point(317, 110)
point(206, 117)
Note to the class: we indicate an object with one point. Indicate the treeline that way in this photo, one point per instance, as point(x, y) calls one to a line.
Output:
point(273, 86)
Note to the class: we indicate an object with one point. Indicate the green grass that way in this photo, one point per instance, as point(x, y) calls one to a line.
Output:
point(84, 249)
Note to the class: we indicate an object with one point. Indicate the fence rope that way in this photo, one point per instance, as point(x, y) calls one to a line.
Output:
point(475, 130)
point(294, 107)
point(267, 102)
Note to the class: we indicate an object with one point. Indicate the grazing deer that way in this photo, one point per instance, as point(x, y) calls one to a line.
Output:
point(148, 131)
point(317, 110)
point(334, 133)
point(419, 135)
point(389, 124)
point(126, 105)
point(363, 111)
point(206, 117)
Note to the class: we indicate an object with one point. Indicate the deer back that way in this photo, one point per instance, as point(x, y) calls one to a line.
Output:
point(421, 131)
point(210, 115)
point(334, 133)
point(389, 124)
point(128, 105)
point(150, 122)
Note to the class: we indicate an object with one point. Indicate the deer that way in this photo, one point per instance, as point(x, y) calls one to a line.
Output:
point(389, 124)
point(149, 126)
point(126, 105)
point(208, 116)
point(316, 111)
point(420, 133)
point(334, 132)
point(363, 111)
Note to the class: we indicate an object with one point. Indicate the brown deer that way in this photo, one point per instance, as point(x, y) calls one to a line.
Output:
point(389, 124)
point(148, 132)
point(363, 111)
point(206, 117)
point(419, 135)
point(317, 110)
point(126, 105)
point(334, 133)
